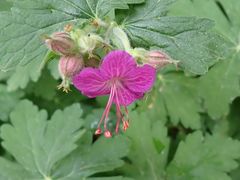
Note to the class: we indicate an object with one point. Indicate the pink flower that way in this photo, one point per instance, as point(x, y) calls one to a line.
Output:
point(121, 78)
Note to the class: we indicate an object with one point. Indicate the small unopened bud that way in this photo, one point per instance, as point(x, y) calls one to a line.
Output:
point(139, 54)
point(159, 59)
point(61, 43)
point(87, 43)
point(68, 67)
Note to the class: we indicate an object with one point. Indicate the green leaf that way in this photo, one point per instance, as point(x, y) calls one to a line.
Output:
point(12, 171)
point(44, 149)
point(235, 175)
point(225, 13)
point(184, 38)
point(103, 7)
point(21, 30)
point(221, 85)
point(45, 87)
point(178, 93)
point(92, 119)
point(38, 144)
point(21, 33)
point(104, 155)
point(149, 150)
point(22, 75)
point(5, 5)
point(208, 158)
point(94, 116)
point(23, 27)
point(233, 119)
point(8, 101)
point(4, 75)
point(153, 101)
point(232, 12)
point(53, 68)
point(110, 178)
point(149, 10)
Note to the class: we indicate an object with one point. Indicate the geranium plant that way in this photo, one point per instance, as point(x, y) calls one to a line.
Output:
point(110, 89)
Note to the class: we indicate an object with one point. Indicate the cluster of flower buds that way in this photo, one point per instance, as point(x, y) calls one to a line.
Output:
point(72, 46)
point(86, 41)
point(70, 62)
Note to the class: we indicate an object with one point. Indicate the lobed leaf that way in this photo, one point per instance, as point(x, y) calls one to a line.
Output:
point(178, 93)
point(104, 155)
point(150, 144)
point(221, 85)
point(38, 144)
point(224, 13)
point(22, 28)
point(207, 158)
point(186, 39)
point(8, 101)
point(12, 171)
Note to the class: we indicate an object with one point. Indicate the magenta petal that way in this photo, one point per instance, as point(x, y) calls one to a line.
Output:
point(126, 97)
point(118, 71)
point(91, 82)
point(118, 64)
point(141, 79)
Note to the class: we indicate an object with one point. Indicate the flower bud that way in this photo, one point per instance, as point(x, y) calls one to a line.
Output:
point(87, 43)
point(68, 67)
point(158, 59)
point(138, 53)
point(61, 43)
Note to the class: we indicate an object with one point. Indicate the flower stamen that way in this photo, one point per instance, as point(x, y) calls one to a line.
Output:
point(119, 114)
point(118, 109)
point(105, 115)
point(126, 122)
point(98, 131)
point(125, 125)
point(119, 117)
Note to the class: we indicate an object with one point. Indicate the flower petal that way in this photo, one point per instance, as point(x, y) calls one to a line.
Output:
point(118, 64)
point(91, 82)
point(141, 79)
point(126, 97)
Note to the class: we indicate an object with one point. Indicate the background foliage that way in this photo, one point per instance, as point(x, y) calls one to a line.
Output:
point(186, 128)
